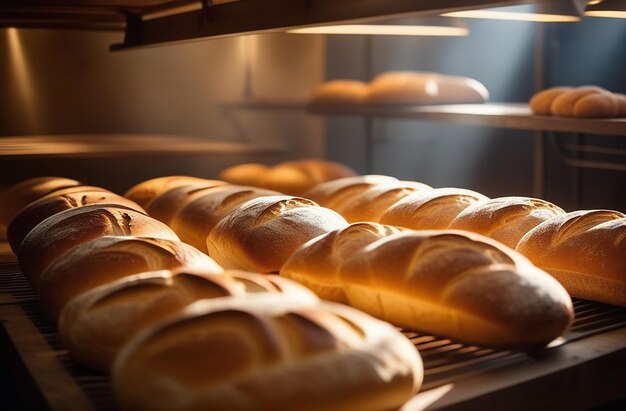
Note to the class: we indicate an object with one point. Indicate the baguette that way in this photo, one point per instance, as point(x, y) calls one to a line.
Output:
point(142, 193)
point(97, 323)
point(204, 208)
point(107, 259)
point(333, 193)
point(67, 229)
point(430, 209)
point(267, 354)
point(585, 251)
point(263, 232)
point(505, 219)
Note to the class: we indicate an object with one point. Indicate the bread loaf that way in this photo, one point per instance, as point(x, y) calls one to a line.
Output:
point(541, 102)
point(96, 324)
point(333, 193)
point(145, 191)
point(165, 205)
point(339, 93)
point(585, 250)
point(290, 177)
point(584, 102)
point(58, 201)
point(204, 208)
point(372, 203)
point(317, 264)
point(262, 233)
point(62, 231)
point(20, 195)
point(430, 209)
point(107, 259)
point(457, 285)
point(406, 87)
point(505, 219)
point(271, 356)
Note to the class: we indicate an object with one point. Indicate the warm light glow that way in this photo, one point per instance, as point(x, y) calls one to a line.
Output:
point(506, 15)
point(21, 74)
point(386, 30)
point(613, 14)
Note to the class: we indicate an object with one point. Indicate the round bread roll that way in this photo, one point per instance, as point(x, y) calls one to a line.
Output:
point(596, 105)
point(430, 209)
point(62, 231)
point(165, 205)
point(145, 191)
point(339, 92)
point(58, 201)
point(244, 174)
point(96, 324)
point(263, 232)
point(317, 263)
point(412, 87)
point(291, 177)
point(585, 250)
point(371, 204)
point(20, 195)
point(206, 207)
point(457, 285)
point(333, 193)
point(505, 219)
point(267, 355)
point(107, 259)
point(541, 102)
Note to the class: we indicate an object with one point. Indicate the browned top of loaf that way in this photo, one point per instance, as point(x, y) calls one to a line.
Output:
point(67, 229)
point(587, 242)
point(271, 356)
point(107, 259)
point(22, 194)
point(142, 193)
point(244, 174)
point(262, 233)
point(467, 273)
point(206, 207)
point(166, 204)
point(372, 203)
point(430, 209)
point(505, 219)
point(317, 263)
point(333, 193)
point(339, 92)
point(56, 202)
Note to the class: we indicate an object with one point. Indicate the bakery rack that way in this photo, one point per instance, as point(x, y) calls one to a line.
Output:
point(457, 376)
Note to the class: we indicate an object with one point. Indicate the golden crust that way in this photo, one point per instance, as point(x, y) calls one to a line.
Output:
point(274, 355)
point(143, 192)
point(107, 259)
point(57, 234)
point(339, 92)
point(262, 233)
point(541, 102)
point(333, 193)
point(585, 250)
point(505, 219)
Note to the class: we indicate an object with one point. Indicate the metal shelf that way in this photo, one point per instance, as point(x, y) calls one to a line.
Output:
point(120, 145)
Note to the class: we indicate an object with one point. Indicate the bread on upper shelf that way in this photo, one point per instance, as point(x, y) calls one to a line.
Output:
point(585, 250)
point(107, 259)
point(339, 93)
point(506, 219)
point(57, 201)
point(97, 323)
point(290, 177)
point(448, 283)
point(261, 234)
point(584, 102)
point(414, 87)
point(67, 229)
point(267, 354)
